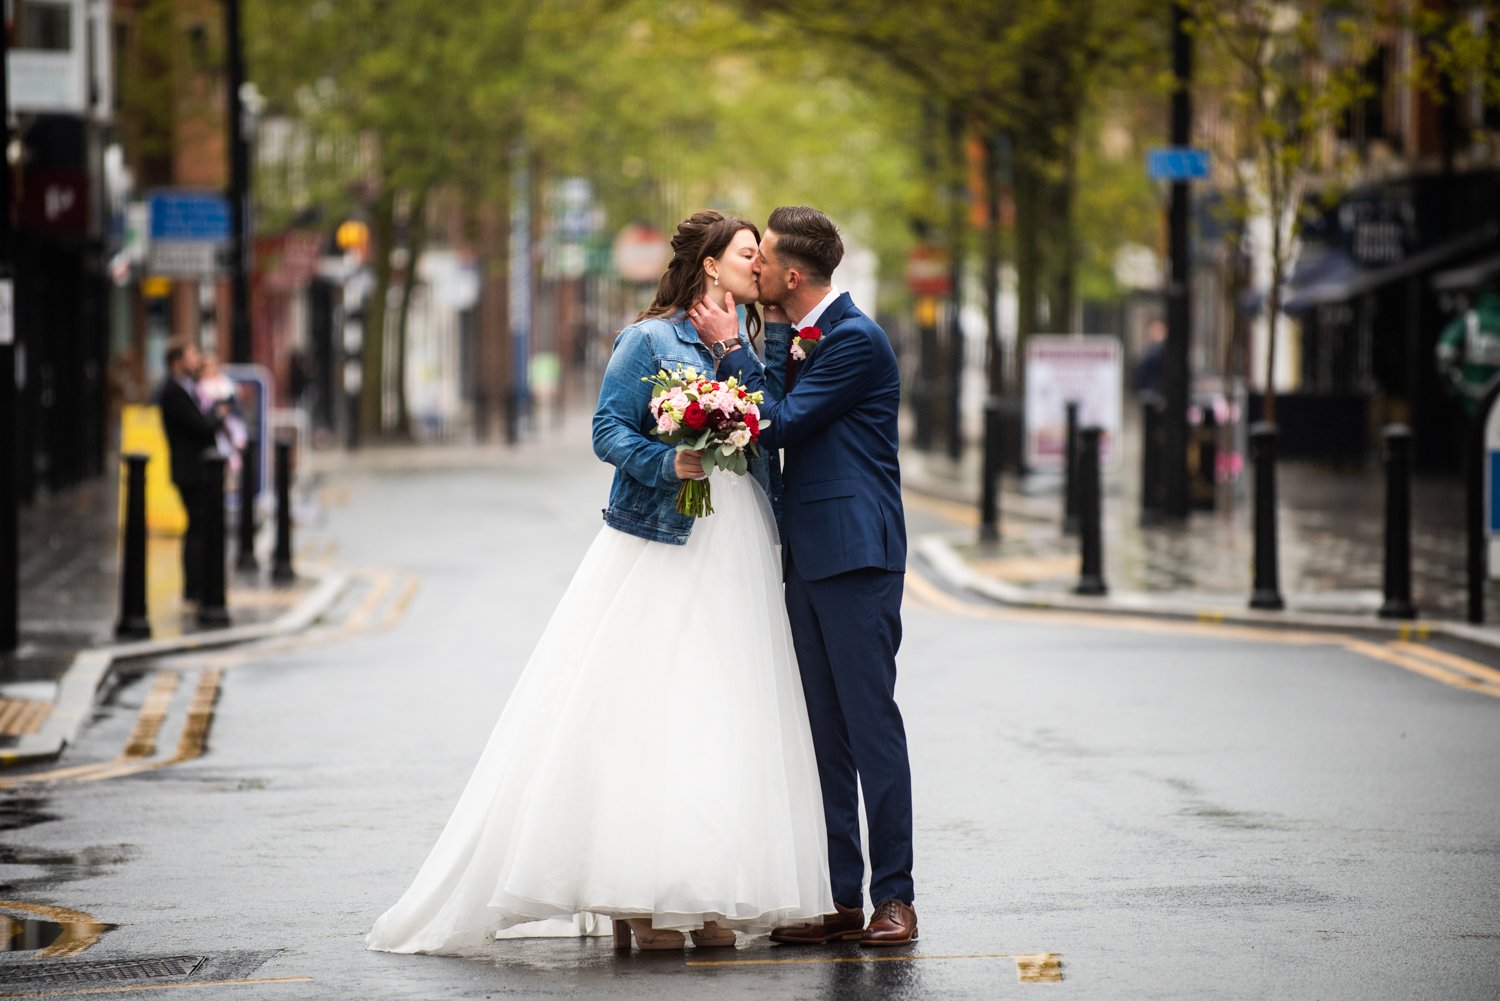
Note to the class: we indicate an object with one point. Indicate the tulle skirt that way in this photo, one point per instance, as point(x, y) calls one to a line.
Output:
point(654, 759)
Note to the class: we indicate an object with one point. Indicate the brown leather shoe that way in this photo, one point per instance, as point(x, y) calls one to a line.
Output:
point(893, 923)
point(846, 924)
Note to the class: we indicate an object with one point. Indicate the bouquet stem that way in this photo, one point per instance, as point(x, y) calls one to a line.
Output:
point(695, 499)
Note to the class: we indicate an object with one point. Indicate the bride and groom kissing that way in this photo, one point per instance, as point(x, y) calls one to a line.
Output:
point(699, 774)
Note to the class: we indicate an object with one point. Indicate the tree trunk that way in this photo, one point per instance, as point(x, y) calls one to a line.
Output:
point(1062, 256)
point(371, 404)
point(416, 242)
point(1028, 261)
point(995, 365)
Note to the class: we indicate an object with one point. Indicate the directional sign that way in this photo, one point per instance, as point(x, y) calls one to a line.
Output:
point(1176, 163)
point(189, 216)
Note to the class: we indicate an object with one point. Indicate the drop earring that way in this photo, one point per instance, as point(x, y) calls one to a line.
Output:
point(716, 281)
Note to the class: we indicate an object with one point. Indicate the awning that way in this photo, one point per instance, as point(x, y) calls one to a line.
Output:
point(1331, 276)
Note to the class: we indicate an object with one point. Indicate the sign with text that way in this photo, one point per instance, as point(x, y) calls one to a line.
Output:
point(187, 231)
point(1176, 163)
point(1491, 472)
point(1087, 370)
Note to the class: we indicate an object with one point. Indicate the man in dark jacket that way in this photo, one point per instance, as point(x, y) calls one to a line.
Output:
point(190, 432)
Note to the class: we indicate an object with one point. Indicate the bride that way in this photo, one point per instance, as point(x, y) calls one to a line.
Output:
point(653, 765)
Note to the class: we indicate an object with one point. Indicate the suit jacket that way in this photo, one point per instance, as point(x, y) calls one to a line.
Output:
point(190, 432)
point(842, 507)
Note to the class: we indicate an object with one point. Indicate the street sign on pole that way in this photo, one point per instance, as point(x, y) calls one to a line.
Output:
point(187, 232)
point(1177, 163)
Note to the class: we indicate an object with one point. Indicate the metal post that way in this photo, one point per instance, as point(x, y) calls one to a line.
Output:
point(989, 500)
point(1152, 497)
point(1090, 514)
point(1474, 462)
point(249, 487)
point(281, 564)
point(1267, 592)
point(211, 607)
point(134, 622)
point(10, 554)
point(958, 210)
point(1070, 472)
point(1204, 491)
point(1179, 287)
point(1397, 604)
point(239, 185)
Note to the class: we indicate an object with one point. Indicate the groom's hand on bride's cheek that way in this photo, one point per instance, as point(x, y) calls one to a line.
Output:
point(714, 322)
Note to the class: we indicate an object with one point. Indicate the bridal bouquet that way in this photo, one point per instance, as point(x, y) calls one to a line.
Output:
point(719, 418)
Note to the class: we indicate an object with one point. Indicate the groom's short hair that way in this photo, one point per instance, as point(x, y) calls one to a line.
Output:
point(809, 238)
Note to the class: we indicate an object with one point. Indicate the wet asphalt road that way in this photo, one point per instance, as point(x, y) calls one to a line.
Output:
point(1143, 810)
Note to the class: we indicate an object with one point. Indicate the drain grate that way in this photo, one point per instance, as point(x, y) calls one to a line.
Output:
point(77, 974)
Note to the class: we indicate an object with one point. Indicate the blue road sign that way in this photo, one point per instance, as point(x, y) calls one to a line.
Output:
point(1176, 163)
point(189, 216)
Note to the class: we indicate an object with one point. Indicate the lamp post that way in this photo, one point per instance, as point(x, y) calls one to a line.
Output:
point(10, 560)
point(239, 186)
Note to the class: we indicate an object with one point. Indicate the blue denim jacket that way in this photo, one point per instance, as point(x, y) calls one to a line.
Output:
point(643, 497)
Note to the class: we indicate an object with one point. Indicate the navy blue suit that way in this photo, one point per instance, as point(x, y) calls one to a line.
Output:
point(845, 556)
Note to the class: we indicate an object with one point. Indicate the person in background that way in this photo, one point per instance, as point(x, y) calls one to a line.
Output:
point(190, 432)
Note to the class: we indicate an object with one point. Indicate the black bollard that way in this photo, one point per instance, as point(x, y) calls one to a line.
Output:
point(989, 499)
point(1203, 490)
point(1267, 592)
point(211, 608)
point(1397, 604)
point(281, 562)
point(1090, 515)
point(249, 487)
point(1153, 483)
point(1476, 559)
point(1070, 472)
point(133, 622)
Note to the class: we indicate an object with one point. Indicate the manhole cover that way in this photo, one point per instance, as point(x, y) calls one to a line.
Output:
point(77, 974)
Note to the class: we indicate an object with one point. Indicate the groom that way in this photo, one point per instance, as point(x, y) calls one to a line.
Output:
point(845, 560)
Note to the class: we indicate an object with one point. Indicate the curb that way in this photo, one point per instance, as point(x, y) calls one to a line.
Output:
point(950, 567)
point(90, 671)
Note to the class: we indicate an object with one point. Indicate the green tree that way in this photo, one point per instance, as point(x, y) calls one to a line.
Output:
point(1281, 75)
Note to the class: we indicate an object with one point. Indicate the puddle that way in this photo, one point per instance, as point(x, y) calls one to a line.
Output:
point(23, 812)
point(48, 938)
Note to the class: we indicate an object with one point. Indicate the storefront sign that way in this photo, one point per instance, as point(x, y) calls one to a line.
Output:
point(1087, 370)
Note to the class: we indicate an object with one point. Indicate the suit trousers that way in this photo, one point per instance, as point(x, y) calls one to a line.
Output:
point(846, 629)
point(194, 496)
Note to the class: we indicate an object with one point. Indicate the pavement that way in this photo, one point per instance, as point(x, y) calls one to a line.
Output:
point(69, 573)
point(1330, 548)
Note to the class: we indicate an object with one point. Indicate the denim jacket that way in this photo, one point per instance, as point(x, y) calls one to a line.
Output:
point(643, 496)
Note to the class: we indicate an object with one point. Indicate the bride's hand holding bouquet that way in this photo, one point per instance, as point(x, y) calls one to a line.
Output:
point(718, 418)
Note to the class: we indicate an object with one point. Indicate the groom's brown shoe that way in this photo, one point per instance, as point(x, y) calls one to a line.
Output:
point(893, 923)
point(846, 924)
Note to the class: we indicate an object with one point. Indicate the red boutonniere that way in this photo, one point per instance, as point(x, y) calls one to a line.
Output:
point(804, 341)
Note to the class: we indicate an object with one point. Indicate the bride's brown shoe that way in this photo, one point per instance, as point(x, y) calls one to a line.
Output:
point(712, 936)
point(647, 938)
point(844, 925)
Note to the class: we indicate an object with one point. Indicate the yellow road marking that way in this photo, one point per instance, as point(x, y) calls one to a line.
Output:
point(1437, 665)
point(1461, 664)
point(398, 607)
point(148, 722)
point(159, 987)
point(80, 930)
point(361, 615)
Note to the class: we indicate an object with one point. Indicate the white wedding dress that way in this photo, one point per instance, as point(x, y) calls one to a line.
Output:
point(654, 759)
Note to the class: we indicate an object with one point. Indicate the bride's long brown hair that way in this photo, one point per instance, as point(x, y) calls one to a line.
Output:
point(701, 235)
